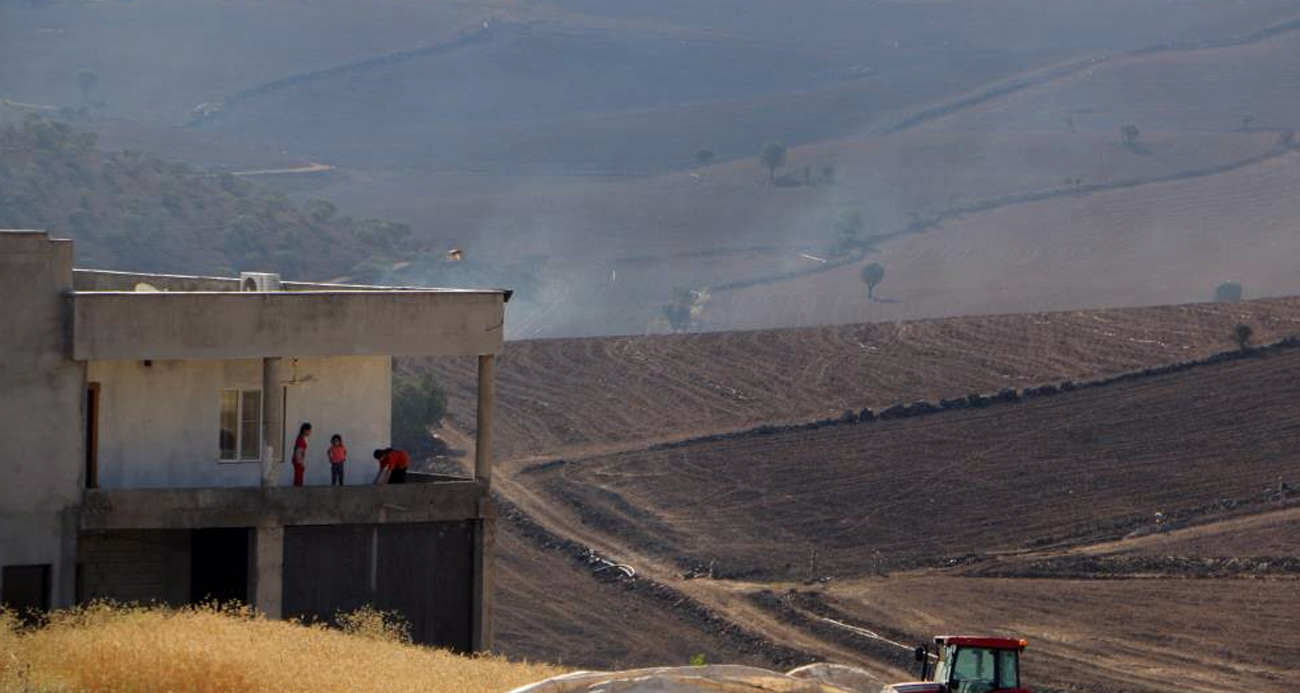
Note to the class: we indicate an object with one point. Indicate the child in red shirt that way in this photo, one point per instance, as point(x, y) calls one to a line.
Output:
point(300, 453)
point(338, 455)
point(395, 462)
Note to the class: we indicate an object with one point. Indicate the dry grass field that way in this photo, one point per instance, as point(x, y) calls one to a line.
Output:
point(111, 649)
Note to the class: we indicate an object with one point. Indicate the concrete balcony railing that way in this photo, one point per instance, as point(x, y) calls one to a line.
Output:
point(194, 508)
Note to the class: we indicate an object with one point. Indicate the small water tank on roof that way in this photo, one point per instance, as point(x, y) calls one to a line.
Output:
point(259, 281)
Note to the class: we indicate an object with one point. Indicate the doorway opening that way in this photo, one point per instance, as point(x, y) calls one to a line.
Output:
point(92, 435)
point(219, 563)
point(25, 589)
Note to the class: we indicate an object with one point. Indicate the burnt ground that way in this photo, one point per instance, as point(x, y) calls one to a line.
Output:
point(1040, 520)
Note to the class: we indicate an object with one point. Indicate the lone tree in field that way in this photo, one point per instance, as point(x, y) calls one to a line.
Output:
point(1130, 133)
point(872, 275)
point(87, 80)
point(1241, 334)
point(1227, 292)
point(772, 155)
point(704, 157)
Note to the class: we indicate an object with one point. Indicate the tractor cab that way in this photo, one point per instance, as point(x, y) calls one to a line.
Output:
point(967, 664)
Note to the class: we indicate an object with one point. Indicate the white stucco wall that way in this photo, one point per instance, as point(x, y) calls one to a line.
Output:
point(159, 424)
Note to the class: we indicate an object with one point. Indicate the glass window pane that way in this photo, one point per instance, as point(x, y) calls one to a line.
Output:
point(250, 425)
point(229, 423)
point(1007, 677)
point(973, 670)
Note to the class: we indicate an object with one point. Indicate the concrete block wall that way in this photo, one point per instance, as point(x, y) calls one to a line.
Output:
point(144, 566)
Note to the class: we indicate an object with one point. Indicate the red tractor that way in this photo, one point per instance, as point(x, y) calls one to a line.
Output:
point(967, 664)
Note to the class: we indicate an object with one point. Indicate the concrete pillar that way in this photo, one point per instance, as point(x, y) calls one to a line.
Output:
point(63, 591)
point(487, 370)
point(268, 570)
point(272, 421)
point(484, 557)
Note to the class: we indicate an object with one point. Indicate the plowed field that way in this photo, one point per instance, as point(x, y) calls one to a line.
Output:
point(932, 490)
point(570, 396)
point(1140, 533)
point(1206, 636)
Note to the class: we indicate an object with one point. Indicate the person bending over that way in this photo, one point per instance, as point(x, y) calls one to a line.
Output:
point(393, 461)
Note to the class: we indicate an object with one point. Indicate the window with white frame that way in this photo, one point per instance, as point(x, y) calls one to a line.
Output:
point(241, 425)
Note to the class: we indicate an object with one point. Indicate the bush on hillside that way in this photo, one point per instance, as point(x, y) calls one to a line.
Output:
point(1227, 292)
point(1242, 334)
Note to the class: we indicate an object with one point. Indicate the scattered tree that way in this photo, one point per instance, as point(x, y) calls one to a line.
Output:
point(704, 157)
point(418, 403)
point(848, 228)
point(1130, 133)
point(87, 80)
point(1241, 334)
point(772, 155)
point(319, 209)
point(872, 275)
point(1227, 292)
point(686, 306)
point(1247, 120)
point(1069, 123)
point(1286, 140)
point(828, 174)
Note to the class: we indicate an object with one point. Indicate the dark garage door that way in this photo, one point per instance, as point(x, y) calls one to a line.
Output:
point(425, 572)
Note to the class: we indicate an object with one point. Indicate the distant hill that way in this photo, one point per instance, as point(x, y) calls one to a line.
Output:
point(133, 211)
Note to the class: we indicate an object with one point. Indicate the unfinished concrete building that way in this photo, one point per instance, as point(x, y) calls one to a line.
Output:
point(144, 424)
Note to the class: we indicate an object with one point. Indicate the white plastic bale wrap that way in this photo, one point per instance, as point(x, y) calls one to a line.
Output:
point(707, 679)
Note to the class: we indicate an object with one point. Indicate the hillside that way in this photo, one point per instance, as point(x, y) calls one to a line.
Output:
point(607, 406)
point(555, 142)
point(952, 521)
point(1155, 244)
point(993, 174)
point(1062, 469)
point(559, 85)
point(560, 397)
point(132, 211)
